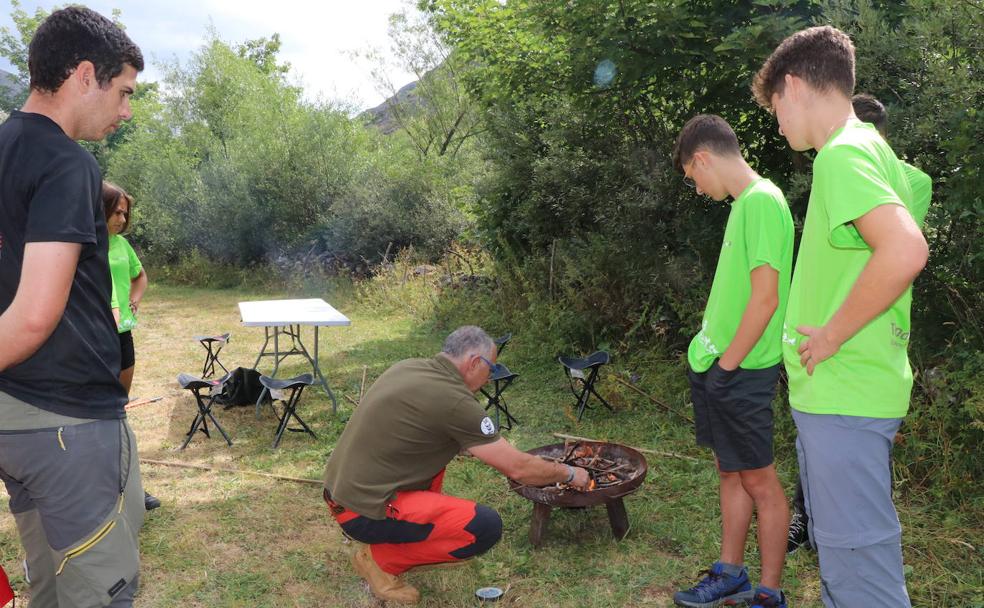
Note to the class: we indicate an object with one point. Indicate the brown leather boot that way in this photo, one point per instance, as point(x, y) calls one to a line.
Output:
point(442, 565)
point(383, 585)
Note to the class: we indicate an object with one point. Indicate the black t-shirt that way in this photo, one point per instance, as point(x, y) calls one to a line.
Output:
point(51, 191)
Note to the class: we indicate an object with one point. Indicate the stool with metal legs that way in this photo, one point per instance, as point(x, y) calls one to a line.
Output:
point(501, 378)
point(212, 345)
point(293, 387)
point(205, 403)
point(500, 343)
point(575, 370)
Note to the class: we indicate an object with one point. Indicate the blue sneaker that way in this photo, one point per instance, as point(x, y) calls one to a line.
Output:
point(764, 599)
point(716, 589)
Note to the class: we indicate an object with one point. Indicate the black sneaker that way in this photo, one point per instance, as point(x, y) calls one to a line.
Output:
point(798, 535)
point(151, 502)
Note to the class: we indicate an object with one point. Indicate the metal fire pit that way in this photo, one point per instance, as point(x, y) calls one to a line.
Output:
point(546, 498)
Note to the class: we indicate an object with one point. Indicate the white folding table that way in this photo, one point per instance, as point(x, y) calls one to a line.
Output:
point(285, 317)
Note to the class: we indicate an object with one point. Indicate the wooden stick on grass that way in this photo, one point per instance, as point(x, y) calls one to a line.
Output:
point(362, 387)
point(201, 467)
point(140, 402)
point(665, 407)
point(643, 450)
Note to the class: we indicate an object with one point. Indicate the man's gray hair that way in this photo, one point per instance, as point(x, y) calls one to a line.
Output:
point(467, 340)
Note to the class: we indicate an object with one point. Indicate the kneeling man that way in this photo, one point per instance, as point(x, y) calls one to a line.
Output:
point(383, 480)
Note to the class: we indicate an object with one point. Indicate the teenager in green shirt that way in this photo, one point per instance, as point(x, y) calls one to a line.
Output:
point(847, 325)
point(868, 109)
point(734, 360)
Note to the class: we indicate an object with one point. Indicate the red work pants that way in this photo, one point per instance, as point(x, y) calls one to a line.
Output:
point(422, 527)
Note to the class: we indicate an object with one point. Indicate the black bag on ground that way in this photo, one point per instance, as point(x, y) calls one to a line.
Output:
point(241, 388)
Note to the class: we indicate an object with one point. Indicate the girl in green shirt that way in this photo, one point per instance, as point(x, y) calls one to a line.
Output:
point(129, 285)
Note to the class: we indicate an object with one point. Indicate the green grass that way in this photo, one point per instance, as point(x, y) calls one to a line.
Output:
point(233, 540)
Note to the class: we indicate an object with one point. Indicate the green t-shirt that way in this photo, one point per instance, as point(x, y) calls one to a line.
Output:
point(759, 231)
point(869, 376)
point(413, 420)
point(922, 192)
point(124, 267)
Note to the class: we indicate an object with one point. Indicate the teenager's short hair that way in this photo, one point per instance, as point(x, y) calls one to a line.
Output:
point(823, 56)
point(111, 197)
point(869, 109)
point(75, 34)
point(707, 131)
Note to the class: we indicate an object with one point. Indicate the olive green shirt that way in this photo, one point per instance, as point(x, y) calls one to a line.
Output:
point(413, 420)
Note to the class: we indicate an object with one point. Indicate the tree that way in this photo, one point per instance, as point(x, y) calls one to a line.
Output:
point(263, 52)
point(13, 47)
point(438, 116)
point(228, 159)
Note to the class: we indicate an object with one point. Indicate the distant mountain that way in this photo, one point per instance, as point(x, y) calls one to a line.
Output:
point(9, 81)
point(11, 91)
point(382, 117)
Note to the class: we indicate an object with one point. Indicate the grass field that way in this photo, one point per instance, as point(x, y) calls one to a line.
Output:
point(225, 539)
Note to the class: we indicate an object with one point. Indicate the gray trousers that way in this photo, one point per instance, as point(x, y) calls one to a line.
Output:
point(845, 469)
point(75, 494)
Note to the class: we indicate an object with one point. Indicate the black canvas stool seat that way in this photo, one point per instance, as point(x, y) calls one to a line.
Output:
point(292, 389)
point(500, 343)
point(205, 402)
point(212, 345)
point(501, 378)
point(585, 372)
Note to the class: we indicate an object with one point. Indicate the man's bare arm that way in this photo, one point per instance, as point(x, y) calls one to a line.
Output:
point(38, 305)
point(526, 468)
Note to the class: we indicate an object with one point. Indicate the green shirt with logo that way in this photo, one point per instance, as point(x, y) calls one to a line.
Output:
point(411, 422)
point(124, 266)
point(869, 376)
point(759, 231)
point(922, 192)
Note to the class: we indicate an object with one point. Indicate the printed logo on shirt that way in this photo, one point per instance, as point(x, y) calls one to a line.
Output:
point(488, 427)
point(705, 341)
point(900, 337)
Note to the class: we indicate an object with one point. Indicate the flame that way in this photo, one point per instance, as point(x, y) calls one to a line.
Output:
point(591, 485)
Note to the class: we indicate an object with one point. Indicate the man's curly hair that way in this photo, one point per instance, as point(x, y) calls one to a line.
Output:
point(823, 56)
point(75, 34)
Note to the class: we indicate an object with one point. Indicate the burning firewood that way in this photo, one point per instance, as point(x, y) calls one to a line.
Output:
point(603, 472)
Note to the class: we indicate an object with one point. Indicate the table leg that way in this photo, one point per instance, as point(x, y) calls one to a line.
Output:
point(618, 518)
point(320, 374)
point(538, 526)
point(266, 340)
point(276, 352)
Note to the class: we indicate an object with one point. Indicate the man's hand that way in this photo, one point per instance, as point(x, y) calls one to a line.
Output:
point(581, 478)
point(818, 346)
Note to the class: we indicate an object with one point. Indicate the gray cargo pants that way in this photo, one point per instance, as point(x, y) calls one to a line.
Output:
point(76, 496)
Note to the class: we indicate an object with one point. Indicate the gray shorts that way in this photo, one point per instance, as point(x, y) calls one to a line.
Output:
point(845, 468)
point(733, 414)
point(75, 493)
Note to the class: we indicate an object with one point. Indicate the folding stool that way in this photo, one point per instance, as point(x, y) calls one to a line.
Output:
point(212, 356)
point(196, 385)
point(295, 386)
point(574, 369)
point(501, 378)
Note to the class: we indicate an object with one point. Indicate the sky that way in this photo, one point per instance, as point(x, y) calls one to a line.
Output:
point(318, 37)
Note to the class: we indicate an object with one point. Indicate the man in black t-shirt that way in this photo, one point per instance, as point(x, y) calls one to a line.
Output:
point(67, 456)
